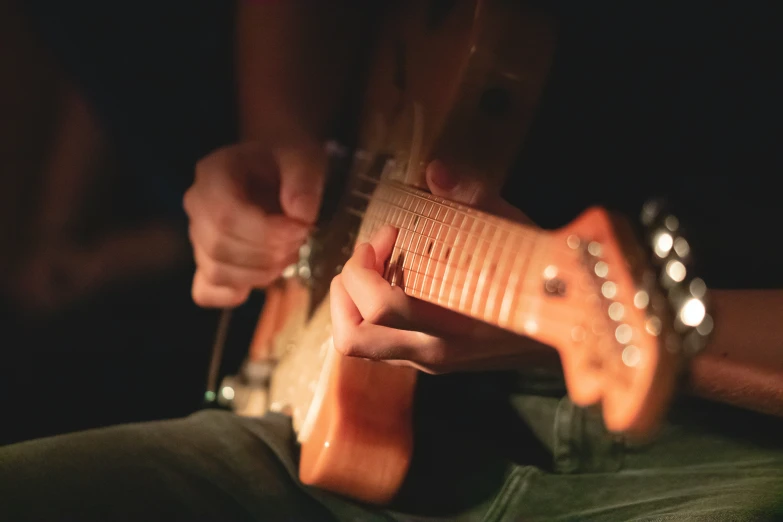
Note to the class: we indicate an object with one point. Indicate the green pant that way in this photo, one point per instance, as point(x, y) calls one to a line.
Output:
point(478, 457)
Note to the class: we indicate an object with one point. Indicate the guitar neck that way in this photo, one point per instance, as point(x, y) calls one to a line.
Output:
point(460, 258)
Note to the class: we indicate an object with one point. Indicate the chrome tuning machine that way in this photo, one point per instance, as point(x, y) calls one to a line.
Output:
point(686, 294)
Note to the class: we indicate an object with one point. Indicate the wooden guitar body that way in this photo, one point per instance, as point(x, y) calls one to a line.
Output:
point(458, 81)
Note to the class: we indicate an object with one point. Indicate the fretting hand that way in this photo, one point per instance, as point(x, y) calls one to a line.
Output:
point(374, 320)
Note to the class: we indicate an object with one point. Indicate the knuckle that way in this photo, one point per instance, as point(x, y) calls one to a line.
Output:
point(225, 219)
point(345, 346)
point(215, 274)
point(379, 312)
point(436, 355)
point(213, 246)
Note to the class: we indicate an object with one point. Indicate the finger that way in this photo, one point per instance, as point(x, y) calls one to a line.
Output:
point(345, 314)
point(220, 197)
point(382, 243)
point(355, 337)
point(222, 274)
point(301, 182)
point(226, 249)
point(377, 301)
point(211, 296)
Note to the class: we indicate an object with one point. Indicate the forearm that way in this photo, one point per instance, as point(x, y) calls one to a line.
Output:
point(295, 62)
point(743, 363)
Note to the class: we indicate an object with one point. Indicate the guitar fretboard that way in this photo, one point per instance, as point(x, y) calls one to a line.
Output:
point(457, 257)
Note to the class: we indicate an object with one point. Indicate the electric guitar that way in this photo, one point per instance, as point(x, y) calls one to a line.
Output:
point(459, 81)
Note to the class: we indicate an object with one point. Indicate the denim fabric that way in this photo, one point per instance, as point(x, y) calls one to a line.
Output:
point(709, 463)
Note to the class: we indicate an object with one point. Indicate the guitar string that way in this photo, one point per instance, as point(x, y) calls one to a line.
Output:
point(491, 285)
point(389, 206)
point(436, 241)
point(573, 313)
point(488, 289)
point(438, 283)
point(488, 220)
point(467, 213)
point(456, 248)
point(437, 201)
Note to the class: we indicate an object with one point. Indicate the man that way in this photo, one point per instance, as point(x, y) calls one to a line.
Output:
point(542, 458)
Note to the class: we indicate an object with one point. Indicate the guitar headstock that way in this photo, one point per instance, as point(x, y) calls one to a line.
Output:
point(641, 311)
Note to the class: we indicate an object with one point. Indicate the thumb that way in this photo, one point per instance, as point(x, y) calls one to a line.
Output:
point(449, 183)
point(467, 188)
point(302, 175)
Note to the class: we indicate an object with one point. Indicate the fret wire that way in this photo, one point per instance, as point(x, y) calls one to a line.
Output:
point(524, 243)
point(482, 276)
point(431, 242)
point(417, 258)
point(397, 212)
point(418, 243)
point(437, 273)
point(429, 216)
point(519, 231)
point(436, 250)
point(402, 215)
point(523, 297)
point(421, 278)
point(452, 256)
point(439, 270)
point(508, 298)
point(568, 311)
point(409, 258)
point(463, 252)
point(519, 228)
point(457, 207)
point(475, 258)
point(398, 187)
point(494, 283)
point(531, 311)
point(437, 240)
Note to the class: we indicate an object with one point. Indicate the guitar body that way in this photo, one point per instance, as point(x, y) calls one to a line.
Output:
point(457, 81)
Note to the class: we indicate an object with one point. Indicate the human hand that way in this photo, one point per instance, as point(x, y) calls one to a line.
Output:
point(374, 320)
point(250, 209)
